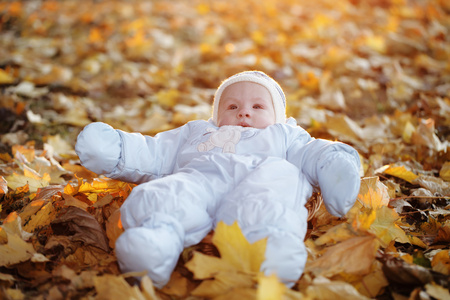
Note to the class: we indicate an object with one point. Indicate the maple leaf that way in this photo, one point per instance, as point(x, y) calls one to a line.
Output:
point(238, 265)
point(16, 181)
point(385, 227)
point(270, 288)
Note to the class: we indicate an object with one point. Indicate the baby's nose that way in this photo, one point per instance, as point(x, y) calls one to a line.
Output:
point(244, 113)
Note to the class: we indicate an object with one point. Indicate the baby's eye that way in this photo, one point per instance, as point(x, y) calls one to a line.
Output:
point(232, 106)
point(257, 106)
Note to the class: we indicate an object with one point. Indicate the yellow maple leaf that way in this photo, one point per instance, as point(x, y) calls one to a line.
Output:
point(269, 288)
point(236, 250)
point(373, 193)
point(364, 219)
point(238, 265)
point(385, 227)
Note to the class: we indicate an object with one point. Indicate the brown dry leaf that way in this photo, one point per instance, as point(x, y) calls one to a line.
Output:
point(443, 235)
point(399, 271)
point(70, 200)
point(337, 259)
point(434, 184)
point(85, 256)
point(114, 228)
point(80, 226)
point(177, 285)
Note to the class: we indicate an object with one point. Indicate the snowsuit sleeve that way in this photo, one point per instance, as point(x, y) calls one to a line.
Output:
point(333, 167)
point(130, 157)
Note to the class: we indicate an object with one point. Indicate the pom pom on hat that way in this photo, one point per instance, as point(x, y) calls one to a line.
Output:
point(278, 97)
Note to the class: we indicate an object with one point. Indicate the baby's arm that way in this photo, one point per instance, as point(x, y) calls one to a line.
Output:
point(331, 166)
point(131, 157)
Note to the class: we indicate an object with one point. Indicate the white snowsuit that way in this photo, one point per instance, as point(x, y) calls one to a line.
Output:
point(196, 175)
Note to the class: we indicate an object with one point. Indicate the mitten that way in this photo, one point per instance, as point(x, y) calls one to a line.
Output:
point(339, 180)
point(99, 148)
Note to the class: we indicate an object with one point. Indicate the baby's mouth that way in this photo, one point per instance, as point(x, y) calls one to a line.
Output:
point(244, 124)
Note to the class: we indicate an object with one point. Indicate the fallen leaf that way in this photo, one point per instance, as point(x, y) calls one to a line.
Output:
point(115, 287)
point(444, 173)
point(398, 271)
point(373, 193)
point(42, 218)
point(238, 265)
point(336, 259)
point(441, 262)
point(385, 227)
point(80, 226)
point(3, 186)
point(15, 250)
point(400, 172)
point(437, 291)
point(236, 250)
point(177, 285)
point(324, 289)
point(270, 288)
point(114, 228)
point(16, 181)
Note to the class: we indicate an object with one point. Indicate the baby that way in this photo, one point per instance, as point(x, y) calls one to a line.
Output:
point(247, 164)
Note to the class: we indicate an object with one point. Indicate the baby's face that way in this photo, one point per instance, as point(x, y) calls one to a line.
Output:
point(246, 104)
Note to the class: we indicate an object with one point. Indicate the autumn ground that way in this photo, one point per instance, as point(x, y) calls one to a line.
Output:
point(374, 74)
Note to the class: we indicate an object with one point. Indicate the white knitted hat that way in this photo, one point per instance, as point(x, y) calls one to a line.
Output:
point(278, 97)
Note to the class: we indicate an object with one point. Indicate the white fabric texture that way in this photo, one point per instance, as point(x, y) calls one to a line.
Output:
point(194, 176)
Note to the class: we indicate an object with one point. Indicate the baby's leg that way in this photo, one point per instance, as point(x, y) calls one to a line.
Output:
point(163, 216)
point(266, 204)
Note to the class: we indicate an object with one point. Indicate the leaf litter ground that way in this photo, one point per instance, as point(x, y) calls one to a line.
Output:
point(374, 74)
